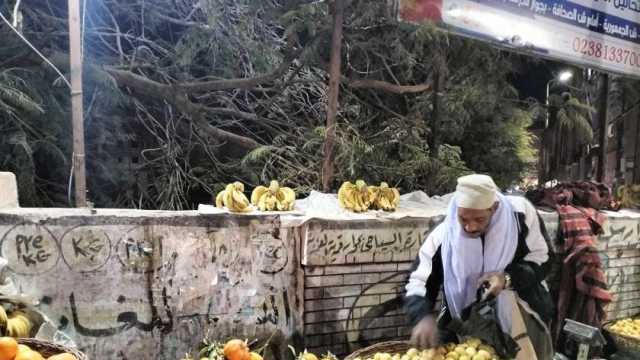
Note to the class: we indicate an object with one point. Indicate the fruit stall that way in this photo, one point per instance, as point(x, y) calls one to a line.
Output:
point(324, 274)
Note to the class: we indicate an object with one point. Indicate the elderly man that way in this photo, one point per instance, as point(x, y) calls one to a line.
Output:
point(491, 239)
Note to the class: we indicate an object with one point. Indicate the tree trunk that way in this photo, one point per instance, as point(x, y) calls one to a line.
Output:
point(440, 71)
point(615, 111)
point(602, 119)
point(334, 89)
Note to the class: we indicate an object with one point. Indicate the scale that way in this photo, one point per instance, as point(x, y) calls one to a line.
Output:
point(585, 336)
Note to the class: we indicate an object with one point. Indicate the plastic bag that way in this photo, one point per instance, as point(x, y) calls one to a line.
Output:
point(480, 320)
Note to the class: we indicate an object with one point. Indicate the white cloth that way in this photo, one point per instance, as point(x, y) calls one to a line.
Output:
point(464, 259)
point(7, 287)
point(476, 192)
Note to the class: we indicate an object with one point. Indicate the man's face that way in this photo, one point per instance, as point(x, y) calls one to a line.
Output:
point(475, 222)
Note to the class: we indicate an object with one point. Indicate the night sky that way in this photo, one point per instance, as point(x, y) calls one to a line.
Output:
point(531, 80)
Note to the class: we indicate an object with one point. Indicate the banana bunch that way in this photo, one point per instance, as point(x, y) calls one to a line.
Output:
point(355, 197)
point(17, 324)
point(629, 196)
point(273, 197)
point(384, 197)
point(233, 198)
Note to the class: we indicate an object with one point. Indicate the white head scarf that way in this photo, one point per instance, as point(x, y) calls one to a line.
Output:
point(465, 259)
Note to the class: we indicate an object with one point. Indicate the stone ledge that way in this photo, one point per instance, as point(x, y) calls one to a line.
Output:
point(8, 190)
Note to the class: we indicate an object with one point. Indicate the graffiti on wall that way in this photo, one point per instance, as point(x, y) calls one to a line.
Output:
point(334, 246)
point(162, 287)
point(621, 233)
point(30, 250)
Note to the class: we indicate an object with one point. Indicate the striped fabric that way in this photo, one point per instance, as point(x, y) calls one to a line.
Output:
point(583, 287)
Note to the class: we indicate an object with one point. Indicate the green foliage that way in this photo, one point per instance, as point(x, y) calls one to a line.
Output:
point(507, 157)
point(573, 115)
point(33, 127)
point(144, 151)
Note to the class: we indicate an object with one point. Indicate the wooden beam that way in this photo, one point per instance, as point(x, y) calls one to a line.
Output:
point(75, 54)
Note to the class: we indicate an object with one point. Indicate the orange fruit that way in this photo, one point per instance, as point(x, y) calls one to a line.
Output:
point(236, 350)
point(8, 348)
point(63, 356)
point(23, 348)
point(29, 355)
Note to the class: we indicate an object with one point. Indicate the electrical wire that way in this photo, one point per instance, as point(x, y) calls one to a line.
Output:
point(73, 164)
point(35, 50)
point(84, 11)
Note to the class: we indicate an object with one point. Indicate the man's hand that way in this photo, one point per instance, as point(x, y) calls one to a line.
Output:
point(496, 282)
point(425, 333)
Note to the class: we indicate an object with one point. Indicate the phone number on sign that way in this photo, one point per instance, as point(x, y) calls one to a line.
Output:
point(610, 53)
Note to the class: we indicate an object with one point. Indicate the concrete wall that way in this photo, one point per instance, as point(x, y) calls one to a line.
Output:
point(355, 274)
point(151, 284)
point(8, 190)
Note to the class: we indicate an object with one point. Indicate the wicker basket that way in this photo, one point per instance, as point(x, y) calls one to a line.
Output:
point(391, 347)
point(47, 349)
point(624, 343)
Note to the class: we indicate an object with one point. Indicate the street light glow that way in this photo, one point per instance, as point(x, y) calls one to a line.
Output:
point(565, 76)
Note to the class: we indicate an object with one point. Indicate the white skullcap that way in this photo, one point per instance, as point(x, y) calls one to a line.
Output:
point(476, 192)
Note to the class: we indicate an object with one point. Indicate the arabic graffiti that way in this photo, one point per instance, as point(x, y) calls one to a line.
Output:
point(327, 245)
point(620, 234)
point(85, 249)
point(272, 253)
point(30, 249)
point(140, 249)
point(112, 284)
point(127, 320)
point(272, 308)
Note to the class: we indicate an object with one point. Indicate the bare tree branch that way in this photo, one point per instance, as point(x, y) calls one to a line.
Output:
point(215, 85)
point(389, 87)
point(145, 87)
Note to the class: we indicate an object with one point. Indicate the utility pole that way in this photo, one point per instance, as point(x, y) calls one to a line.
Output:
point(75, 52)
point(334, 89)
point(603, 124)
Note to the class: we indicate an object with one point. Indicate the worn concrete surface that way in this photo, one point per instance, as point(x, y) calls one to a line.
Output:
point(133, 284)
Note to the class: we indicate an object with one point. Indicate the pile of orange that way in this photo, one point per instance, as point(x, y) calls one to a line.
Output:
point(238, 350)
point(11, 350)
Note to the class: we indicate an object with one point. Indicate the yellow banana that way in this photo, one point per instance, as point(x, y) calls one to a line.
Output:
point(344, 197)
point(233, 198)
point(257, 194)
point(289, 197)
point(272, 203)
point(3, 318)
point(362, 194)
point(219, 198)
point(386, 198)
point(227, 198)
point(262, 203)
point(18, 325)
point(274, 197)
point(396, 198)
point(354, 197)
point(240, 201)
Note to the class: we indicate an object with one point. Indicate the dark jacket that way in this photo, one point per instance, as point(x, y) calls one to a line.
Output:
point(527, 270)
